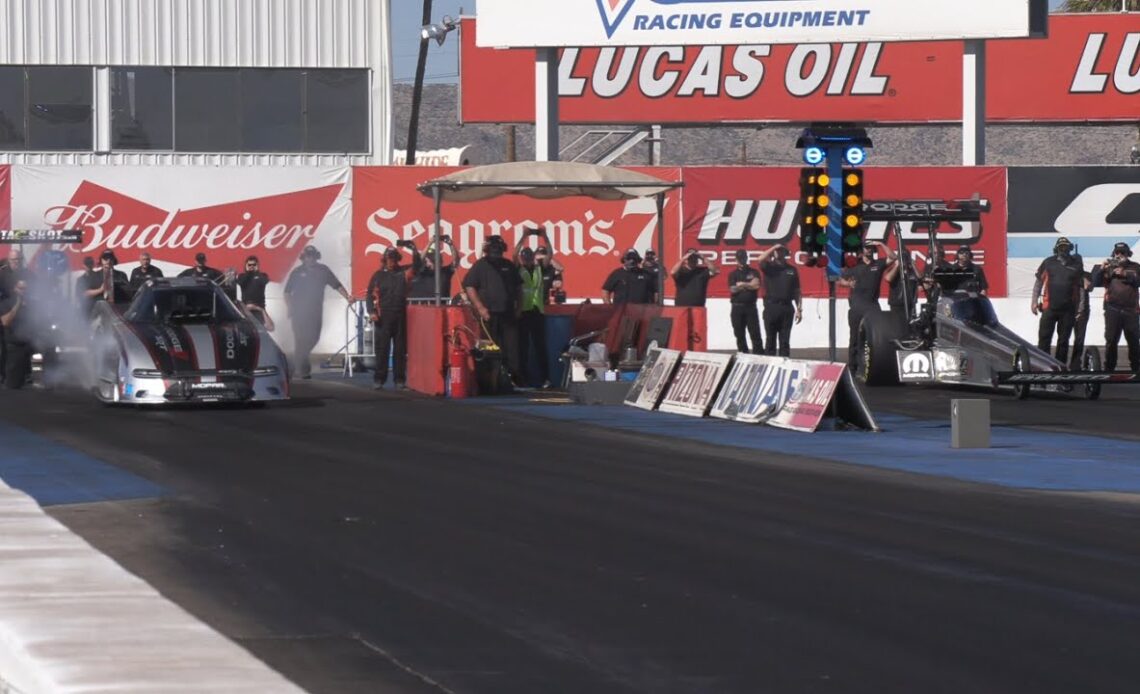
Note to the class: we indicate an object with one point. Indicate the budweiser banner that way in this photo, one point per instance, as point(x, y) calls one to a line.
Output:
point(730, 208)
point(588, 236)
point(695, 383)
point(1084, 71)
point(1094, 206)
point(173, 213)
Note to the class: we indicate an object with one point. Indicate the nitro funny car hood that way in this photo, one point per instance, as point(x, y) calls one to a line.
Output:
point(194, 348)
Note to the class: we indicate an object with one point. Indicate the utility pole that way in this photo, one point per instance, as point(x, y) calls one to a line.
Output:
point(417, 91)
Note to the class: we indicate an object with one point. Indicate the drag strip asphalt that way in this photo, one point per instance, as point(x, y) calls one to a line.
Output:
point(381, 542)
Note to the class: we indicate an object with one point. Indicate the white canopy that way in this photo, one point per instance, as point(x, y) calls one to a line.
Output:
point(545, 180)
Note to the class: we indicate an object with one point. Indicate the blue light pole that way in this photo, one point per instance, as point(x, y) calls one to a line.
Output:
point(838, 145)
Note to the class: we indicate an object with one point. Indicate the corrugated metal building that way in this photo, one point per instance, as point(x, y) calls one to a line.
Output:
point(210, 82)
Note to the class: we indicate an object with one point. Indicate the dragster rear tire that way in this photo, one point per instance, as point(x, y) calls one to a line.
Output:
point(876, 345)
point(1090, 361)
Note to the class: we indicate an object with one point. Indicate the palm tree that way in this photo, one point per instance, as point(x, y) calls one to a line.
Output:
point(1100, 5)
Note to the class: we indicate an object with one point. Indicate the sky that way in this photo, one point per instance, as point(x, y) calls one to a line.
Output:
point(443, 61)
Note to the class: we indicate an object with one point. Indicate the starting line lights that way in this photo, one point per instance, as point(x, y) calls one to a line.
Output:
point(852, 156)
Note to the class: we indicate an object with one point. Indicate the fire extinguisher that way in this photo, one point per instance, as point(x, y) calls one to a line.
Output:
point(461, 370)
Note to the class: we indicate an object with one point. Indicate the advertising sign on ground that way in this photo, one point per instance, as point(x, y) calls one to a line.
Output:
point(588, 236)
point(700, 22)
point(808, 403)
point(729, 208)
point(695, 383)
point(1083, 72)
point(757, 387)
point(654, 376)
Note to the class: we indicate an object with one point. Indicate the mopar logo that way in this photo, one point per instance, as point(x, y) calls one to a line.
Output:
point(915, 366)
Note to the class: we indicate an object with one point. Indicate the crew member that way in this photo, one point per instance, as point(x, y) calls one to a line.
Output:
point(423, 284)
point(143, 273)
point(744, 287)
point(902, 287)
point(630, 283)
point(201, 269)
point(692, 274)
point(304, 301)
point(13, 272)
point(388, 307)
point(532, 316)
point(781, 293)
point(652, 266)
point(492, 287)
point(106, 283)
point(1121, 278)
point(82, 284)
point(19, 338)
point(1057, 294)
point(553, 287)
point(864, 280)
point(977, 282)
point(253, 283)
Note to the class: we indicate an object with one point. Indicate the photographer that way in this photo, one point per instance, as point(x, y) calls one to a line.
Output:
point(388, 307)
point(106, 283)
point(1057, 295)
point(552, 288)
point(629, 284)
point(691, 275)
point(1120, 278)
point(423, 281)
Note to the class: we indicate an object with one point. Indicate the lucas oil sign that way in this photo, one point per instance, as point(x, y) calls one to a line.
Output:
point(556, 23)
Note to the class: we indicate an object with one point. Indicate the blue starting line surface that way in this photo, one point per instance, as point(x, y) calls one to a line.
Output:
point(1017, 458)
point(54, 474)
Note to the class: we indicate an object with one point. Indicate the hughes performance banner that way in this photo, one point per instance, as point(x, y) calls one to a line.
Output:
point(174, 213)
point(588, 236)
point(1094, 206)
point(754, 208)
point(1086, 70)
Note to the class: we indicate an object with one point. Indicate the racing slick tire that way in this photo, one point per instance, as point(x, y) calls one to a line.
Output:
point(1090, 361)
point(876, 365)
point(1020, 365)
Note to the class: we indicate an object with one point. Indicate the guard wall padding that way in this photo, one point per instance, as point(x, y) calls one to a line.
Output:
point(427, 352)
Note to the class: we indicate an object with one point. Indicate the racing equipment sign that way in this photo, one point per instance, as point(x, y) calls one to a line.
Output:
point(915, 366)
point(753, 208)
point(588, 236)
point(1083, 72)
point(695, 383)
point(538, 23)
point(758, 387)
point(655, 374)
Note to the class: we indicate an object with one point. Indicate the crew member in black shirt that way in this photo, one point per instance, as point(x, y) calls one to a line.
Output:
point(1057, 296)
point(201, 269)
point(10, 274)
point(864, 280)
point(977, 283)
point(902, 288)
point(143, 273)
point(652, 265)
point(781, 293)
point(305, 303)
point(388, 307)
point(16, 318)
point(553, 289)
point(423, 282)
point(253, 283)
point(492, 286)
point(1121, 279)
point(629, 284)
point(744, 286)
point(692, 274)
point(106, 283)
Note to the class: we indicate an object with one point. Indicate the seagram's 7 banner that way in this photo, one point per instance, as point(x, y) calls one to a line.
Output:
point(686, 22)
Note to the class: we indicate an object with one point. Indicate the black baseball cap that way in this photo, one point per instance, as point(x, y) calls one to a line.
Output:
point(1122, 248)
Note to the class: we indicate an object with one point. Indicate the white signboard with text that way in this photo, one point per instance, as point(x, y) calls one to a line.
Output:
point(559, 23)
point(695, 383)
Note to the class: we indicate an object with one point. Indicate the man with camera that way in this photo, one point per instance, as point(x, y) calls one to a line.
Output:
point(1057, 295)
point(552, 289)
point(388, 308)
point(692, 274)
point(423, 281)
point(1120, 278)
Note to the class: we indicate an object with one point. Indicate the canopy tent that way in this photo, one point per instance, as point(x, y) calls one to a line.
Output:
point(547, 180)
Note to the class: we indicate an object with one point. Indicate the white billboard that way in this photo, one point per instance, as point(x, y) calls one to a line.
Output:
point(559, 23)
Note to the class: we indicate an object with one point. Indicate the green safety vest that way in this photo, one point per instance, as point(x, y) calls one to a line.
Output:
point(532, 286)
